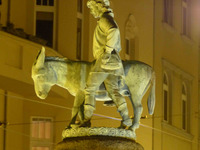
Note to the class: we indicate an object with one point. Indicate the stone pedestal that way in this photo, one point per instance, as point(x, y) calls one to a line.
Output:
point(98, 143)
point(98, 139)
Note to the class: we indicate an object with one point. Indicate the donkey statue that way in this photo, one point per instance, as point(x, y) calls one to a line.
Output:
point(72, 75)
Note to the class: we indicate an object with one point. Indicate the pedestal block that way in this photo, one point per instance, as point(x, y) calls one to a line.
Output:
point(98, 143)
point(98, 139)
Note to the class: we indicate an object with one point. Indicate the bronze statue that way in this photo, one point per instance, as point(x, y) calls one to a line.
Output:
point(72, 75)
point(108, 68)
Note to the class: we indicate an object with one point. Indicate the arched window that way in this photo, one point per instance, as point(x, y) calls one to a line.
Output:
point(186, 17)
point(165, 97)
point(184, 106)
point(131, 33)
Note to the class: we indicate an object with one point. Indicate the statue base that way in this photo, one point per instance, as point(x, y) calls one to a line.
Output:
point(98, 143)
point(97, 139)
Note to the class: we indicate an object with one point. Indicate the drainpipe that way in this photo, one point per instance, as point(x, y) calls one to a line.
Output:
point(5, 121)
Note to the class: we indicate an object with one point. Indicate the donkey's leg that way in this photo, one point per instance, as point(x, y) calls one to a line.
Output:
point(78, 102)
point(138, 109)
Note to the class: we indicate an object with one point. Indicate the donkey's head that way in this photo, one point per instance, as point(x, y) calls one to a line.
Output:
point(42, 75)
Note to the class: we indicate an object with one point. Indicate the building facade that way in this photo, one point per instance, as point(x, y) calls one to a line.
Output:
point(162, 33)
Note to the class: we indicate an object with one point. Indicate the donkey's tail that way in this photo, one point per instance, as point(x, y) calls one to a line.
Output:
point(151, 98)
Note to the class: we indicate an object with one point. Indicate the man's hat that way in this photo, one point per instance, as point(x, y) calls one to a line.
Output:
point(105, 2)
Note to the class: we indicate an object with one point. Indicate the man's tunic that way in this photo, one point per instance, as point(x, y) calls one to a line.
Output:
point(106, 40)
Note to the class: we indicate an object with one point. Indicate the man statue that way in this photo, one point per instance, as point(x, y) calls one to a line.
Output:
point(108, 67)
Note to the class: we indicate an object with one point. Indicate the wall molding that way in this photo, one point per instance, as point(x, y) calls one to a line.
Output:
point(177, 70)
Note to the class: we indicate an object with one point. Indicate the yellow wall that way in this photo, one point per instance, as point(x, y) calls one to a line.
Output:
point(3, 10)
point(67, 28)
point(157, 43)
point(183, 53)
point(18, 14)
point(14, 116)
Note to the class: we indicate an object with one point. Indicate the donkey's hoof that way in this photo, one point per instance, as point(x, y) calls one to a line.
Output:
point(134, 127)
point(127, 122)
point(122, 126)
point(86, 124)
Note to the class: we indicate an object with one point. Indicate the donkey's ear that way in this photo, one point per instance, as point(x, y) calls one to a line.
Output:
point(39, 62)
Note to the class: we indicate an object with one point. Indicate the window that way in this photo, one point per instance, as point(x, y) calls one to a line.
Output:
point(130, 47)
point(41, 133)
point(80, 6)
point(166, 97)
point(44, 26)
point(168, 12)
point(79, 38)
point(79, 29)
point(40, 148)
point(186, 17)
point(45, 2)
point(184, 107)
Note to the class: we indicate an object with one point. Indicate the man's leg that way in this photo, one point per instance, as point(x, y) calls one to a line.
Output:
point(112, 87)
point(93, 83)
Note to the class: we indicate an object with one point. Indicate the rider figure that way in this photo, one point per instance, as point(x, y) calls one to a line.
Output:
point(108, 67)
